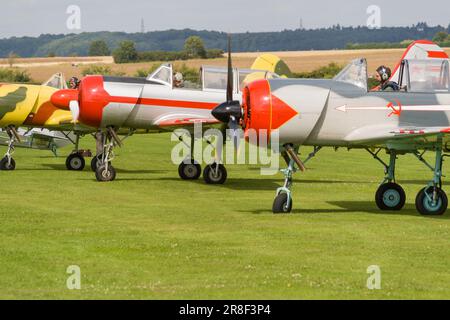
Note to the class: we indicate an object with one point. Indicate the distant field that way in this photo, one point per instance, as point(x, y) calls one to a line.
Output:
point(41, 69)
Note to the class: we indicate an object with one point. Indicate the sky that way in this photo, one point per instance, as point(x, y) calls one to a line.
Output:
point(35, 17)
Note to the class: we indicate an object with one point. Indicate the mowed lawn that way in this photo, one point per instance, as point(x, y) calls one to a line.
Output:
point(149, 235)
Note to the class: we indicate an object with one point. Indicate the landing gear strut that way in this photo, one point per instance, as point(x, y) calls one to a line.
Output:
point(283, 199)
point(189, 169)
point(432, 200)
point(105, 171)
point(8, 163)
point(390, 195)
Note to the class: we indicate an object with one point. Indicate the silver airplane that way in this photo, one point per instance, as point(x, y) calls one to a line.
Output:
point(343, 112)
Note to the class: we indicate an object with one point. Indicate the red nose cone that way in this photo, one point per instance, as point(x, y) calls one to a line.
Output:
point(61, 99)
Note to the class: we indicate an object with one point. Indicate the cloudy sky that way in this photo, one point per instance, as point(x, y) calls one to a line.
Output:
point(34, 17)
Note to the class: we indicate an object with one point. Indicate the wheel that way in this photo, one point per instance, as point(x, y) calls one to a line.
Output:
point(281, 204)
point(214, 175)
point(189, 171)
point(104, 175)
point(7, 167)
point(94, 162)
point(425, 205)
point(75, 162)
point(390, 196)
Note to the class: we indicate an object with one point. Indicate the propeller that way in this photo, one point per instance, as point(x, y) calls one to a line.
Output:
point(230, 112)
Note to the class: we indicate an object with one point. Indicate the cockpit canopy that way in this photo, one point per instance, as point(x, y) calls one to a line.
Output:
point(354, 73)
point(425, 75)
point(212, 78)
point(416, 75)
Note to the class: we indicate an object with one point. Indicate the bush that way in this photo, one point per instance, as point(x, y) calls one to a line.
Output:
point(14, 75)
point(99, 48)
point(101, 70)
point(126, 53)
point(162, 56)
point(326, 72)
point(143, 73)
point(214, 53)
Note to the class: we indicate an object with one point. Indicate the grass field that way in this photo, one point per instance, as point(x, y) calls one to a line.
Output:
point(150, 235)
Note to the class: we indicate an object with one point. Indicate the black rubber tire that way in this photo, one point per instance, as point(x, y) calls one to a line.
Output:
point(424, 207)
point(189, 171)
point(390, 197)
point(75, 162)
point(95, 161)
point(103, 175)
point(281, 205)
point(210, 178)
point(4, 164)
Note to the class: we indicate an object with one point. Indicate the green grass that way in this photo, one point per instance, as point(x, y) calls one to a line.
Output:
point(149, 235)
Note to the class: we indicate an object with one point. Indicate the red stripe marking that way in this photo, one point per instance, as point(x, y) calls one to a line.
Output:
point(437, 54)
point(166, 103)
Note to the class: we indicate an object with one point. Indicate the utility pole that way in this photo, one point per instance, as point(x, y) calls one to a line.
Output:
point(142, 26)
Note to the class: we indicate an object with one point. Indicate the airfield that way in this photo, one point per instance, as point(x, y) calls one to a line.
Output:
point(149, 235)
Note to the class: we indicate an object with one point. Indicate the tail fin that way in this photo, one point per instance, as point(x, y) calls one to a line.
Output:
point(272, 63)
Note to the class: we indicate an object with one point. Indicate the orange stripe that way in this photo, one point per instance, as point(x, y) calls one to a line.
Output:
point(437, 54)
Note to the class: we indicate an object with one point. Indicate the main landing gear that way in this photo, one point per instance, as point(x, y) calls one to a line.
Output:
point(430, 201)
point(190, 169)
point(8, 163)
point(75, 161)
point(283, 199)
point(390, 195)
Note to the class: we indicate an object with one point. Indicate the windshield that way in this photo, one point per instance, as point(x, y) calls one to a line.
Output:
point(162, 75)
point(430, 75)
point(56, 81)
point(215, 78)
point(354, 73)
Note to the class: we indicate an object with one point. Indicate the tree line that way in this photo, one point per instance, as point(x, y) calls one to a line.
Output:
point(335, 37)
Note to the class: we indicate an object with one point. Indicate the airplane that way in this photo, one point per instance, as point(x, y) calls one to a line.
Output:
point(158, 103)
point(29, 106)
point(37, 138)
point(343, 112)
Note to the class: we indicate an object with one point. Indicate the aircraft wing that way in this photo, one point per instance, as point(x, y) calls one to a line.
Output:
point(382, 135)
point(183, 121)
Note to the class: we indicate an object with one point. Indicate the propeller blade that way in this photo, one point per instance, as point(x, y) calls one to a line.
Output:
point(230, 73)
point(74, 107)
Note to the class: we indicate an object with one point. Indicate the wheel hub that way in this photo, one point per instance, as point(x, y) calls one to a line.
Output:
point(391, 198)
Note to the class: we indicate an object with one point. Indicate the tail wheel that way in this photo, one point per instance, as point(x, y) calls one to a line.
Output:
point(7, 165)
point(104, 174)
point(189, 171)
point(425, 204)
point(215, 175)
point(282, 204)
point(75, 162)
point(390, 196)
